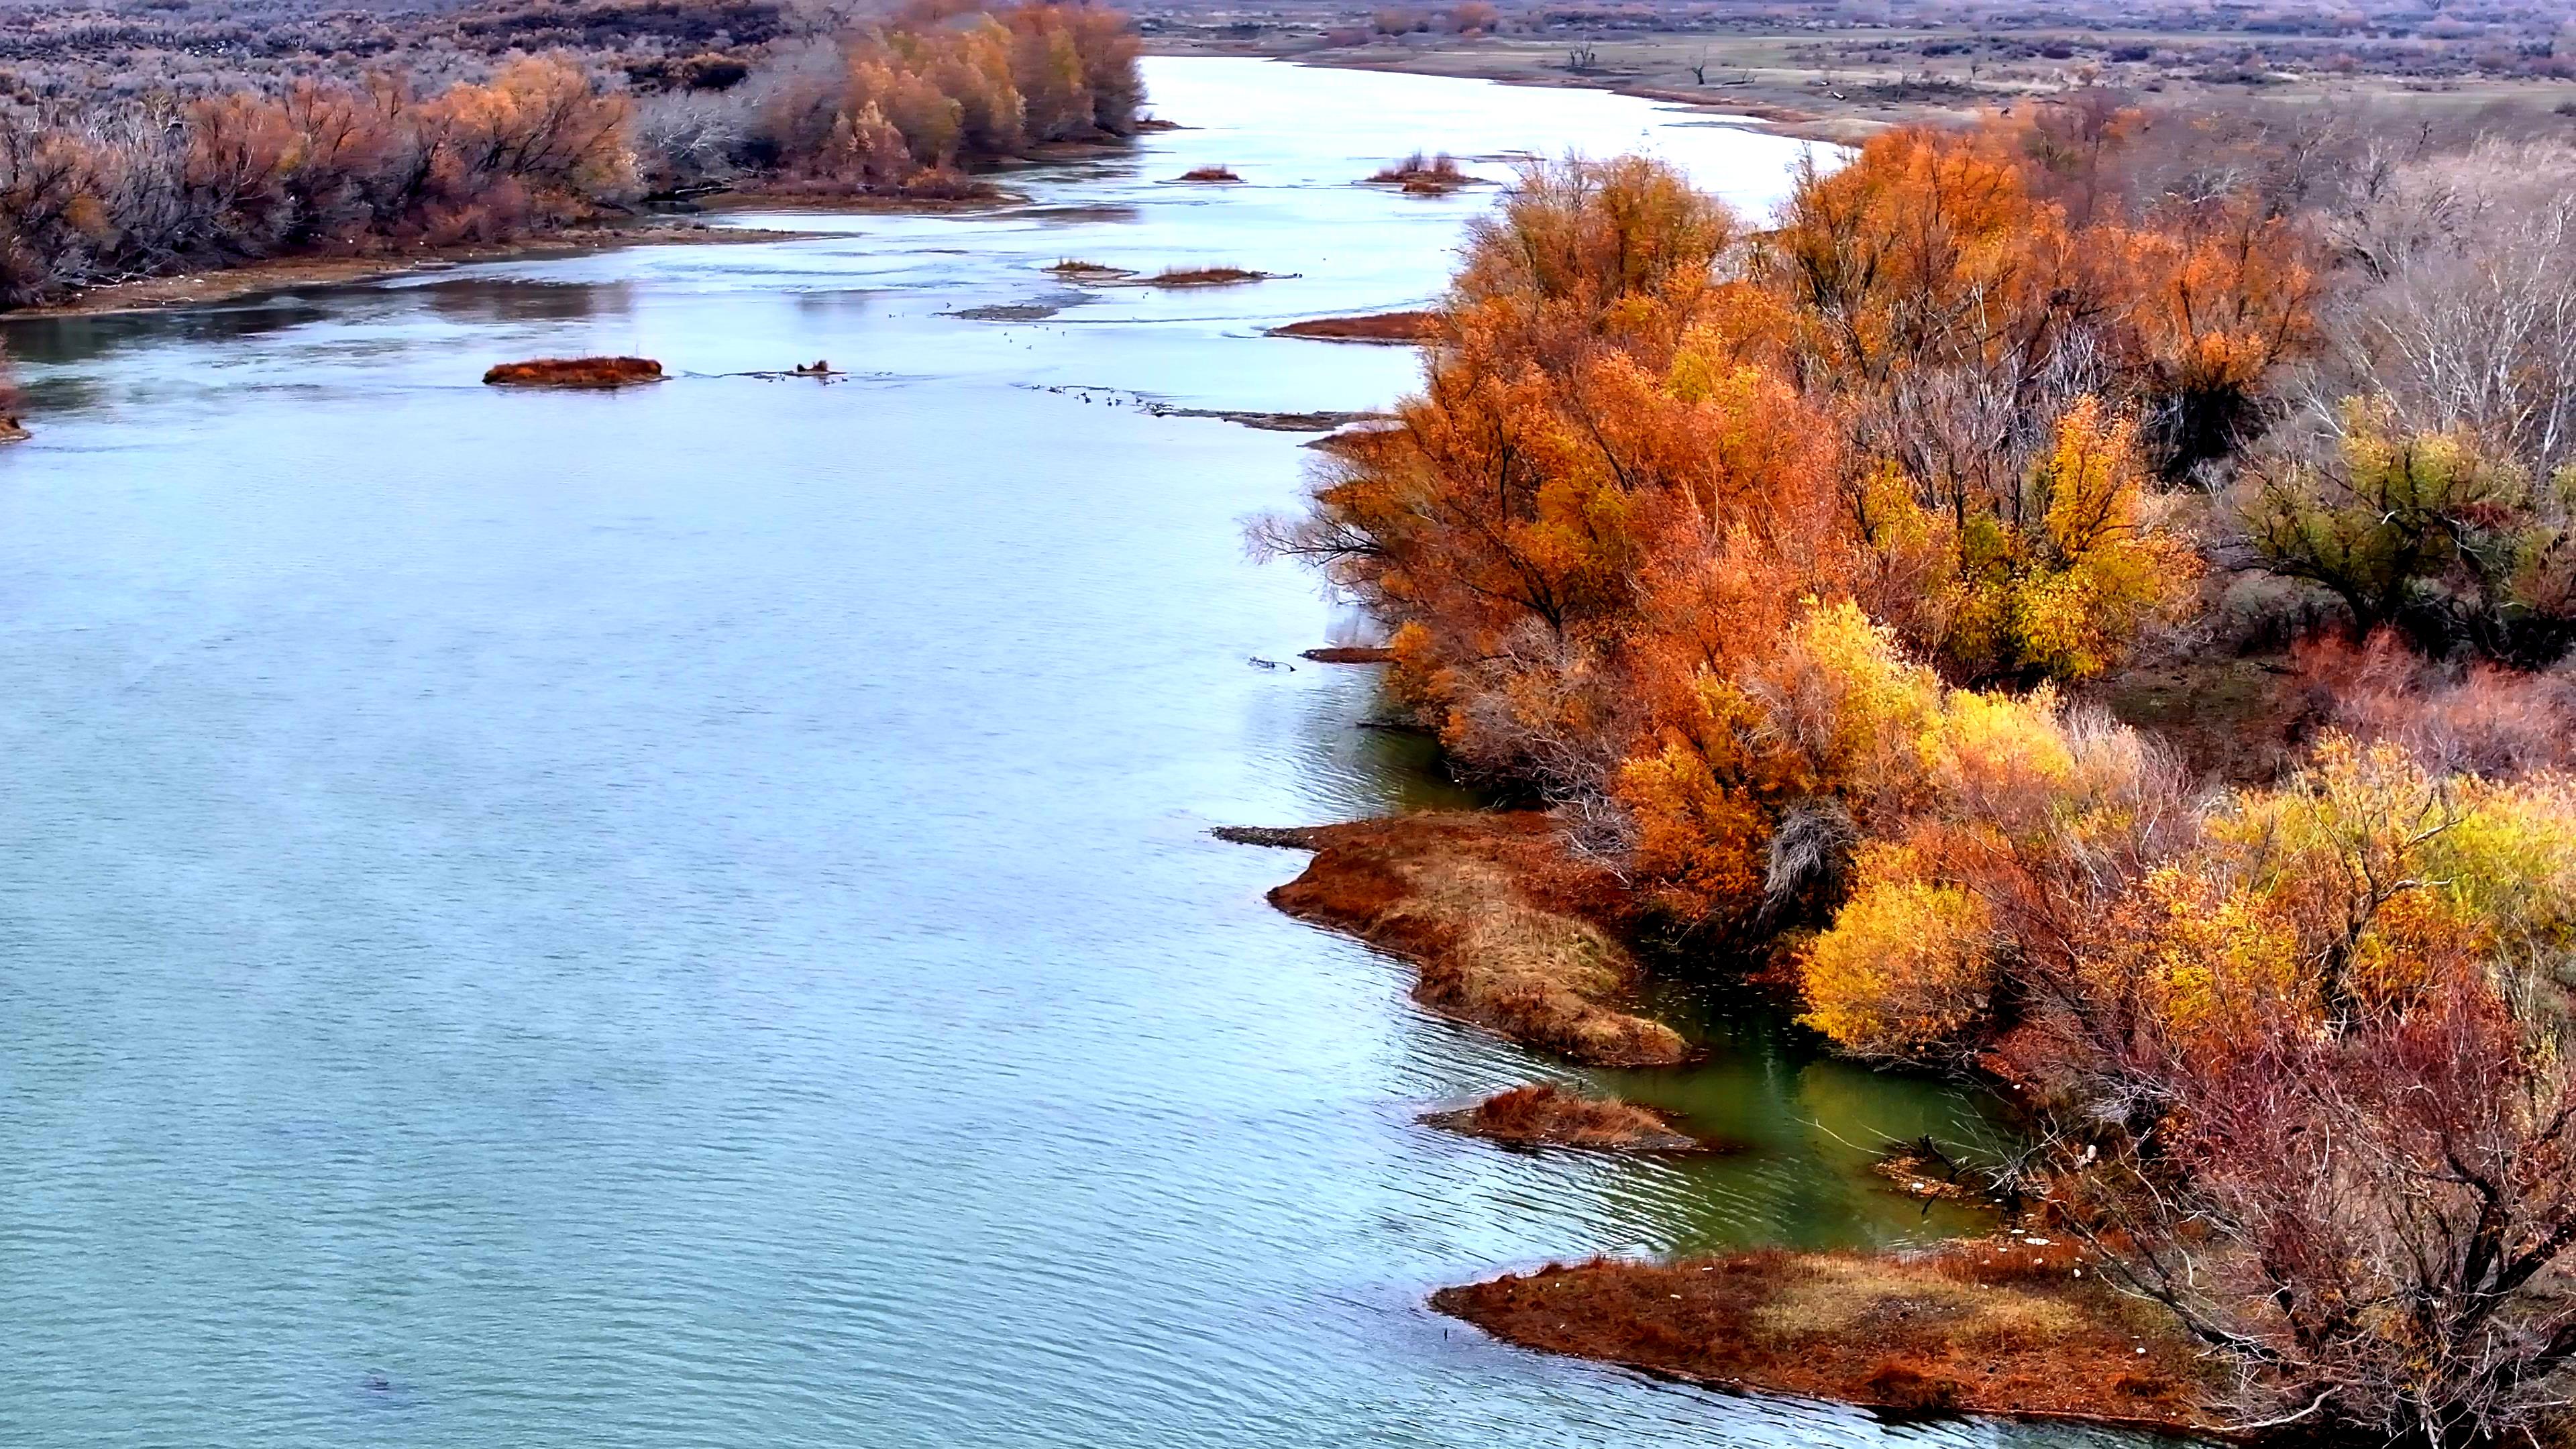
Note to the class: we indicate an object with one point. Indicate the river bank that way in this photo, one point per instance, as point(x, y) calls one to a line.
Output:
point(283, 274)
point(1512, 933)
point(1648, 68)
point(1845, 86)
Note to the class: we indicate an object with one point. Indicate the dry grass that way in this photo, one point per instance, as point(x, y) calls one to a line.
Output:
point(575, 372)
point(1349, 654)
point(1204, 277)
point(1424, 176)
point(1545, 1115)
point(1074, 269)
point(2007, 1325)
point(1505, 932)
point(1209, 173)
point(1400, 327)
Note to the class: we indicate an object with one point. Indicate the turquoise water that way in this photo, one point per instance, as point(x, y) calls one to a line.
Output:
point(684, 917)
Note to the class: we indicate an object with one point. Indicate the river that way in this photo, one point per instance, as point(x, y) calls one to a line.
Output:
point(685, 917)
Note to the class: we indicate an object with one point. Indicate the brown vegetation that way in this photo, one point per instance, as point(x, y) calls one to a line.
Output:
point(607, 372)
point(1506, 931)
point(1349, 654)
point(1544, 1115)
point(1395, 327)
point(1793, 566)
point(11, 430)
point(1206, 277)
point(905, 105)
point(97, 189)
point(1847, 76)
point(1209, 173)
point(2007, 1325)
point(1423, 176)
point(1075, 270)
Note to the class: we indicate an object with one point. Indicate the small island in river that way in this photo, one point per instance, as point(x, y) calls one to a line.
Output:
point(1546, 1115)
point(576, 372)
point(1387, 327)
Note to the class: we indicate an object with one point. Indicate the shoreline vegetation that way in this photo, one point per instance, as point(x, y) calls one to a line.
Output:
point(108, 189)
point(2049, 600)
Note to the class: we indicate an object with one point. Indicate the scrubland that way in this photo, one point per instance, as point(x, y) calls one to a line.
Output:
point(126, 152)
point(1846, 70)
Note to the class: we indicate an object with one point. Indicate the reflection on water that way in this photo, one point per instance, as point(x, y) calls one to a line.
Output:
point(684, 916)
point(473, 301)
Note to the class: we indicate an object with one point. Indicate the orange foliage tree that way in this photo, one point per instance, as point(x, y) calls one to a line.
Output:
point(945, 83)
point(1649, 434)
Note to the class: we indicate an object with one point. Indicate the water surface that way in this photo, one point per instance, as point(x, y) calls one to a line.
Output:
point(684, 917)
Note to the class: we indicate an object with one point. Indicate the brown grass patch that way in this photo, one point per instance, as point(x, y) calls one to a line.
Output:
point(1349, 654)
point(1209, 173)
point(1506, 931)
point(1423, 175)
point(1545, 1115)
point(1395, 327)
point(575, 372)
point(1206, 277)
point(1990, 1326)
point(1074, 269)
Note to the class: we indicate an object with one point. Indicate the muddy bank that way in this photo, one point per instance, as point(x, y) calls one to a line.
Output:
point(286, 274)
point(1506, 931)
point(1400, 328)
point(1545, 1115)
point(2009, 1325)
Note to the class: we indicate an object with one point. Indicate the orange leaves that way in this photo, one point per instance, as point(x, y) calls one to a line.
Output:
point(1927, 249)
point(1587, 254)
point(941, 84)
point(2218, 297)
point(1700, 836)
point(539, 124)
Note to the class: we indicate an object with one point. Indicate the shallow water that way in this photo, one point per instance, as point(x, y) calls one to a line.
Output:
point(684, 917)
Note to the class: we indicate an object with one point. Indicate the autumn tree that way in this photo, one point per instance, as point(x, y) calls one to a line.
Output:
point(2300, 1058)
point(2426, 532)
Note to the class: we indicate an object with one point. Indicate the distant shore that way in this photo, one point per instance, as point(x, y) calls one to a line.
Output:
point(1778, 110)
